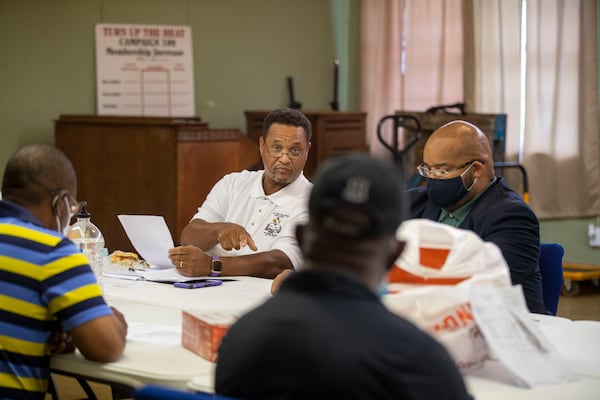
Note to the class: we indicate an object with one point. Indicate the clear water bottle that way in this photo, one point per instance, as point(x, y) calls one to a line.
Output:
point(89, 239)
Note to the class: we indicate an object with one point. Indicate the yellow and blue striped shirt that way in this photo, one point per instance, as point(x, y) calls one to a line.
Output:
point(45, 283)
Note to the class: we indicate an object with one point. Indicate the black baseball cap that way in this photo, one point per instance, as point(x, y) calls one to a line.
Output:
point(363, 184)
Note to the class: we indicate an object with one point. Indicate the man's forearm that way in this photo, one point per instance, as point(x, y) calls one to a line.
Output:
point(200, 234)
point(267, 264)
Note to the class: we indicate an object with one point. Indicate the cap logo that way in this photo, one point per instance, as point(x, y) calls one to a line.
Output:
point(356, 190)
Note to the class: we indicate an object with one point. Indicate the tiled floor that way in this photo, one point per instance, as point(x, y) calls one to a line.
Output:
point(585, 305)
point(69, 389)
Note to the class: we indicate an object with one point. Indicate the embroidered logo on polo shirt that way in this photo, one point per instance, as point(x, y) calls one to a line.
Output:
point(274, 227)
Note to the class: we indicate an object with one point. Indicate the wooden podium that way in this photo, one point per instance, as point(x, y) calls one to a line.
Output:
point(148, 165)
point(333, 132)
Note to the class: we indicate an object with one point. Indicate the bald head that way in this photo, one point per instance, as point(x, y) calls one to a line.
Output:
point(34, 172)
point(456, 143)
point(463, 151)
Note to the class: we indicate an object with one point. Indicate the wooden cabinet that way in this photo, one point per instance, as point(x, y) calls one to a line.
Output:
point(156, 166)
point(332, 133)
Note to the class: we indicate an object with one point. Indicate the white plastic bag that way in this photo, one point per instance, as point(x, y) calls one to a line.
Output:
point(430, 284)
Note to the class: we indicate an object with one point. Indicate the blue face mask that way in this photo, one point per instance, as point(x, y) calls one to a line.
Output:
point(447, 192)
point(382, 289)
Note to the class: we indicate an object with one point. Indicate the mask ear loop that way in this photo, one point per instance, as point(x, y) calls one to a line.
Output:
point(472, 184)
point(56, 218)
point(474, 181)
point(55, 200)
point(69, 216)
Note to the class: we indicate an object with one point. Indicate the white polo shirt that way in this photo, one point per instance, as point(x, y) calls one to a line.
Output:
point(270, 220)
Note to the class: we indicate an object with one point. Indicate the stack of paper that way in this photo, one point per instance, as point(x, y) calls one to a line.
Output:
point(514, 338)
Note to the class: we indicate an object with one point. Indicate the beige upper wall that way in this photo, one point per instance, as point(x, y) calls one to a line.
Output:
point(243, 52)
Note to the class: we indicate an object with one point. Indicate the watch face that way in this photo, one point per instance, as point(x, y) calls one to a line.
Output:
point(216, 266)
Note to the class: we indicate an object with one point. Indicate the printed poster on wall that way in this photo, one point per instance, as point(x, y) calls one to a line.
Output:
point(144, 70)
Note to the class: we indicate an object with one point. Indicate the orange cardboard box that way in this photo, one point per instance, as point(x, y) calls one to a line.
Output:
point(203, 331)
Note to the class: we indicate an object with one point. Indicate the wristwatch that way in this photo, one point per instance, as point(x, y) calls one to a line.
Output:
point(216, 266)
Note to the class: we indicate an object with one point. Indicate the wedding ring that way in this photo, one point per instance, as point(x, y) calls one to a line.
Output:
point(180, 264)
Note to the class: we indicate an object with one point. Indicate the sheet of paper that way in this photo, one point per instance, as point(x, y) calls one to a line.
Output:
point(150, 237)
point(153, 274)
point(164, 275)
point(157, 334)
point(516, 341)
point(128, 275)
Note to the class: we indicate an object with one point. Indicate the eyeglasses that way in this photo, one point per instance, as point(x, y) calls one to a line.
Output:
point(74, 205)
point(276, 151)
point(432, 172)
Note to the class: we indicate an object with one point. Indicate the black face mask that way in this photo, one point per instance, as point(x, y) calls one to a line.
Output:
point(446, 192)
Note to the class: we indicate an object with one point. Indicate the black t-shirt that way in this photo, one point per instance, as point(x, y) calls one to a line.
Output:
point(328, 336)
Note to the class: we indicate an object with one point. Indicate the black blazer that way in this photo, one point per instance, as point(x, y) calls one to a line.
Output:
point(500, 216)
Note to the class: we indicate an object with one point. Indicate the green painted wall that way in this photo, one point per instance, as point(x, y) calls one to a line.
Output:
point(573, 235)
point(243, 52)
point(345, 15)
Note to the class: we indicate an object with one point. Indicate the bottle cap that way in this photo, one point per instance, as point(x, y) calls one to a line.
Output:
point(83, 212)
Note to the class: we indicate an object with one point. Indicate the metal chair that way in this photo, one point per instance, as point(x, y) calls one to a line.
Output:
point(550, 263)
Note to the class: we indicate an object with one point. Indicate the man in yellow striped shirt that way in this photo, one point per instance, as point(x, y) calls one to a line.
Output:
point(47, 288)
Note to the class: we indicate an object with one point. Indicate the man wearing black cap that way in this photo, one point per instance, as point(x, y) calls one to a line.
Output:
point(326, 334)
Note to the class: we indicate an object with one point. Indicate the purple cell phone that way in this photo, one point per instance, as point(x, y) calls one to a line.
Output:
point(198, 285)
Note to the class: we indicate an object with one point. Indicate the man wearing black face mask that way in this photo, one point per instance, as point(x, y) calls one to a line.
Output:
point(463, 191)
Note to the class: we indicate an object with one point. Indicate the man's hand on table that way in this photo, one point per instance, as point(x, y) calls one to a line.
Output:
point(190, 260)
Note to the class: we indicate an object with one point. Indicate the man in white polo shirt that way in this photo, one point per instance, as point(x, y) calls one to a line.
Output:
point(246, 225)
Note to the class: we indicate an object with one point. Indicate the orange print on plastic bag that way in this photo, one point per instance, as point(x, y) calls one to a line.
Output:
point(433, 257)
